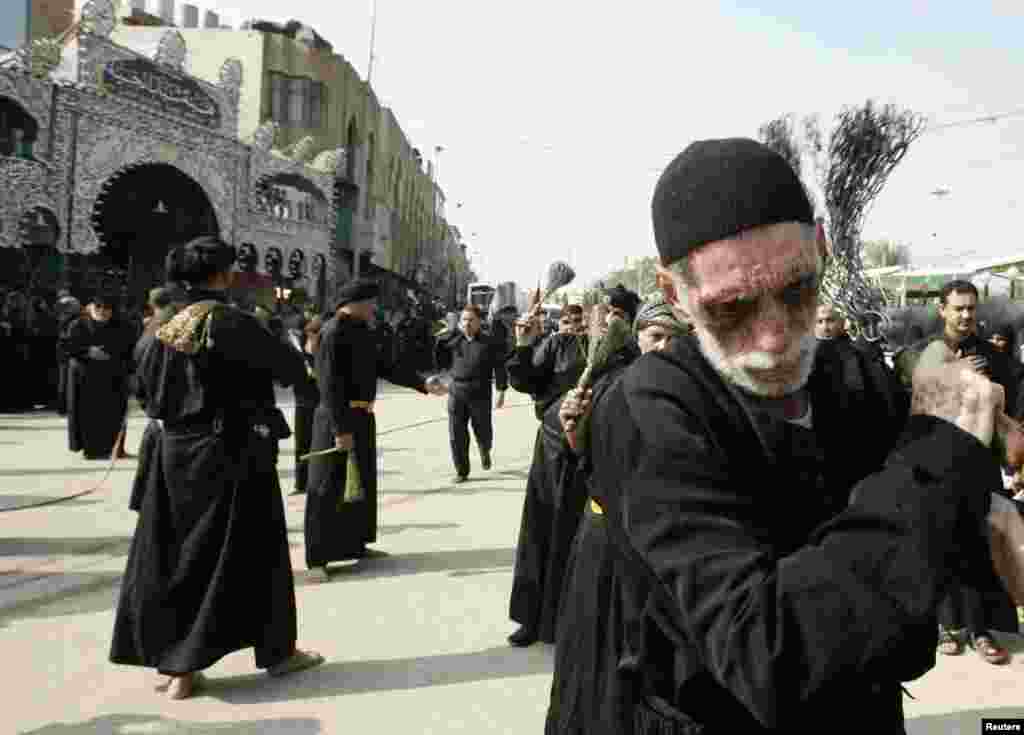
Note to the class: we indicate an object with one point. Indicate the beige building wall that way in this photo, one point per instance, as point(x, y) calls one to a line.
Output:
point(208, 48)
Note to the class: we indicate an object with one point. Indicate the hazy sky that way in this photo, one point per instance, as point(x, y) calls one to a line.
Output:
point(556, 117)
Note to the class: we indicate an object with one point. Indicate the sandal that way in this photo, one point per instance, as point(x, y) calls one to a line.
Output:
point(950, 643)
point(988, 650)
point(296, 662)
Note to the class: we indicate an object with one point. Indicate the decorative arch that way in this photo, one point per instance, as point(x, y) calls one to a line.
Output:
point(29, 100)
point(172, 51)
point(114, 155)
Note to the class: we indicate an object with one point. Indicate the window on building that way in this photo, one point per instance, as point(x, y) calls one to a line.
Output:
point(317, 102)
point(298, 89)
point(278, 99)
point(297, 101)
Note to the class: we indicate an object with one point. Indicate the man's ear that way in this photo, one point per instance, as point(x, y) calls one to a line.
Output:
point(674, 297)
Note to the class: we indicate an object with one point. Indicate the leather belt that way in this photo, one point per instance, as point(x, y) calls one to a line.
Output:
point(365, 405)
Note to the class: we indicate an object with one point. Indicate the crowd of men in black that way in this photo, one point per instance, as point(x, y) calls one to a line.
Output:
point(700, 539)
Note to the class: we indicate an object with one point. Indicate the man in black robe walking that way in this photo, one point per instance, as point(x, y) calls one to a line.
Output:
point(209, 570)
point(348, 365)
point(474, 358)
point(768, 578)
point(99, 348)
point(545, 367)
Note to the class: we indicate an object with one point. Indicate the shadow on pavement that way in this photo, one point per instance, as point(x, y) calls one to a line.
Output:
point(400, 527)
point(90, 592)
point(59, 546)
point(465, 489)
point(358, 677)
point(157, 725)
point(966, 721)
point(386, 565)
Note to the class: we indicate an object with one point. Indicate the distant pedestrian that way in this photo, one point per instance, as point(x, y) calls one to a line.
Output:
point(209, 570)
point(69, 310)
point(99, 347)
point(307, 398)
point(477, 363)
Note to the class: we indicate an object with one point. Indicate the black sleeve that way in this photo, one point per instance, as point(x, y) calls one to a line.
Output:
point(76, 340)
point(520, 371)
point(498, 356)
point(239, 337)
point(443, 351)
point(775, 629)
point(333, 368)
point(401, 374)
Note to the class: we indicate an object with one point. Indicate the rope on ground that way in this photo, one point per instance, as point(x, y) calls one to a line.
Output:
point(106, 475)
point(120, 436)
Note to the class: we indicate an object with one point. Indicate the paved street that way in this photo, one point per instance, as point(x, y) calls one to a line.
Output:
point(414, 637)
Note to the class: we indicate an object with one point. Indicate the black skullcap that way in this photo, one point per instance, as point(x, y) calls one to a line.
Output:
point(199, 260)
point(716, 189)
point(361, 289)
point(622, 298)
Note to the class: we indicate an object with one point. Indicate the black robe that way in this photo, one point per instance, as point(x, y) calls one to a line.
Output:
point(16, 391)
point(209, 570)
point(97, 390)
point(763, 576)
point(348, 365)
point(546, 369)
point(588, 641)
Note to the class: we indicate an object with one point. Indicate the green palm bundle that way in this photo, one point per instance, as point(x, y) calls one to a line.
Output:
point(602, 347)
point(354, 491)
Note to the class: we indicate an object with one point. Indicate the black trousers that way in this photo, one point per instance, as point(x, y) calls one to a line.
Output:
point(303, 441)
point(463, 410)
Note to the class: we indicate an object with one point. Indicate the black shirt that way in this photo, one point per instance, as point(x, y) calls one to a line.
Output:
point(472, 362)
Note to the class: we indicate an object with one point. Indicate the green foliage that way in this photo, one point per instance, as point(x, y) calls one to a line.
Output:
point(883, 253)
point(640, 276)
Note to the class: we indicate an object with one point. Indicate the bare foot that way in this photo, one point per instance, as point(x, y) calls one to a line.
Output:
point(183, 687)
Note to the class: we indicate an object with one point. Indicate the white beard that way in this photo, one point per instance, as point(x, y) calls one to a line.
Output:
point(736, 370)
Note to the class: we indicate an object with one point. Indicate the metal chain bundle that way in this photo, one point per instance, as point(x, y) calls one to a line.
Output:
point(866, 145)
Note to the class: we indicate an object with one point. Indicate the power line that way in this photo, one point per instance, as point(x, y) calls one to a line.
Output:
point(975, 121)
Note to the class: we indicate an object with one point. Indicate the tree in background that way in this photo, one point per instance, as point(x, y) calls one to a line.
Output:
point(884, 253)
point(640, 276)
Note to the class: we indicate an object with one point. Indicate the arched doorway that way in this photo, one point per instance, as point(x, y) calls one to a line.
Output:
point(142, 212)
point(18, 130)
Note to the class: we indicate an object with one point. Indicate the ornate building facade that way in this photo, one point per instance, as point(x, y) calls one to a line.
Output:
point(111, 153)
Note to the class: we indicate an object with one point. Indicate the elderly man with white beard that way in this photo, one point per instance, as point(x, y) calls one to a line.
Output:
point(766, 578)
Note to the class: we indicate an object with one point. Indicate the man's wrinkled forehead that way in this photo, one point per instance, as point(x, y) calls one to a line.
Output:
point(733, 269)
